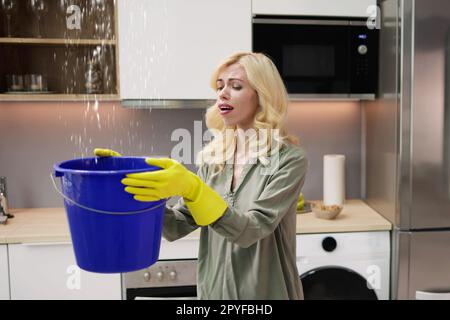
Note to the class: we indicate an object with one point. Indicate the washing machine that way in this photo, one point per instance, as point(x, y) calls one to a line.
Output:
point(342, 266)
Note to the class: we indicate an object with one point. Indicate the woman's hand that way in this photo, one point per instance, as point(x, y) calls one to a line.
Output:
point(205, 205)
point(173, 180)
point(106, 153)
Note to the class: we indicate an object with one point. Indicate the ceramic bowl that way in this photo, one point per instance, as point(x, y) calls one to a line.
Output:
point(322, 211)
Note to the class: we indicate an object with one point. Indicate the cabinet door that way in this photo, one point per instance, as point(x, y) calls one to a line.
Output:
point(4, 273)
point(49, 271)
point(343, 8)
point(168, 49)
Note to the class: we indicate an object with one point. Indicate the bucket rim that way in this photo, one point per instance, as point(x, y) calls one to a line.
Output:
point(58, 169)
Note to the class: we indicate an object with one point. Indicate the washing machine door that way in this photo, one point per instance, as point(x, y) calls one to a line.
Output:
point(335, 283)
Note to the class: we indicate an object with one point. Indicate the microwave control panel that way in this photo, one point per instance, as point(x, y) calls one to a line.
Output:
point(364, 52)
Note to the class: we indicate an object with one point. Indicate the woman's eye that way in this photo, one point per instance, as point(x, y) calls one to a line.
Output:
point(234, 87)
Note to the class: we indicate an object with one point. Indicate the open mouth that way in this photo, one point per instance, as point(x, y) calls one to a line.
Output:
point(225, 108)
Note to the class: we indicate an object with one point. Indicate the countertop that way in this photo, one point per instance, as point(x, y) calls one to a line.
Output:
point(50, 224)
point(355, 216)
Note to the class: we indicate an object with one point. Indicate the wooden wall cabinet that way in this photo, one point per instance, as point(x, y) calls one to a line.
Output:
point(59, 43)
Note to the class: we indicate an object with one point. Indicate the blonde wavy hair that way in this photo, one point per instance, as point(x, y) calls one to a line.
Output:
point(265, 79)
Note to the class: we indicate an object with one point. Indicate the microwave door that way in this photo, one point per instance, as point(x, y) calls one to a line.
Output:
point(311, 58)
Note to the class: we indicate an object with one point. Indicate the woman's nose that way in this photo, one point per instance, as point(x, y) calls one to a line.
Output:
point(224, 94)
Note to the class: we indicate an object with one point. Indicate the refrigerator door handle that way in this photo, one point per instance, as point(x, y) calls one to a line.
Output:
point(427, 295)
point(447, 115)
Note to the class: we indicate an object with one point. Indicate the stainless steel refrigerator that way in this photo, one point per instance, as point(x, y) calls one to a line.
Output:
point(407, 143)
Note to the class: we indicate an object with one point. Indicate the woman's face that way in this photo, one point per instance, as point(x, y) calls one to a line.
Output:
point(236, 99)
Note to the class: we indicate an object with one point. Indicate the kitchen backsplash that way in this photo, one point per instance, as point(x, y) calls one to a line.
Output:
point(34, 136)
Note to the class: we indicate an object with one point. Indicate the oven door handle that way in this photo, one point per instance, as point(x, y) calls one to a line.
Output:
point(165, 298)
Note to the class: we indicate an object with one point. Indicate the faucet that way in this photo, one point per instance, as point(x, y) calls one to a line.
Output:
point(4, 211)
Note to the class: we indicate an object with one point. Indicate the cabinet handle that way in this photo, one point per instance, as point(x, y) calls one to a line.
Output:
point(426, 295)
point(43, 244)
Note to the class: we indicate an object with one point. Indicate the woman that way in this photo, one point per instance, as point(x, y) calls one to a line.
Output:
point(243, 197)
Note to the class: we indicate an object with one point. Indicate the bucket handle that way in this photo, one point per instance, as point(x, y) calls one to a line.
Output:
point(52, 177)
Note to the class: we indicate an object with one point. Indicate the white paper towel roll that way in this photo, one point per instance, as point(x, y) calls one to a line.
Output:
point(333, 179)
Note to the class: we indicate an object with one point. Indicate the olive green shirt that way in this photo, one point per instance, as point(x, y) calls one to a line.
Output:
point(250, 252)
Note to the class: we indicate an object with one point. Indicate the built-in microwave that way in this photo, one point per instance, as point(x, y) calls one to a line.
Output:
point(321, 58)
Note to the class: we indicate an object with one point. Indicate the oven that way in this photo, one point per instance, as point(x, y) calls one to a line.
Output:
point(166, 279)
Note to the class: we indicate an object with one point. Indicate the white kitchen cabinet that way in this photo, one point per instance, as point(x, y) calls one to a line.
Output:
point(337, 8)
point(4, 273)
point(168, 49)
point(48, 271)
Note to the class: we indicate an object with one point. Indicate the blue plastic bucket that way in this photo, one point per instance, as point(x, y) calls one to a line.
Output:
point(111, 232)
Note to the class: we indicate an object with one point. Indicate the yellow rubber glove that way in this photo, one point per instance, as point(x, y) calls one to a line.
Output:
point(205, 205)
point(106, 153)
point(301, 202)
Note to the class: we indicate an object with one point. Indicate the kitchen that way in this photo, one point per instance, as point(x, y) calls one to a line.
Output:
point(145, 100)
